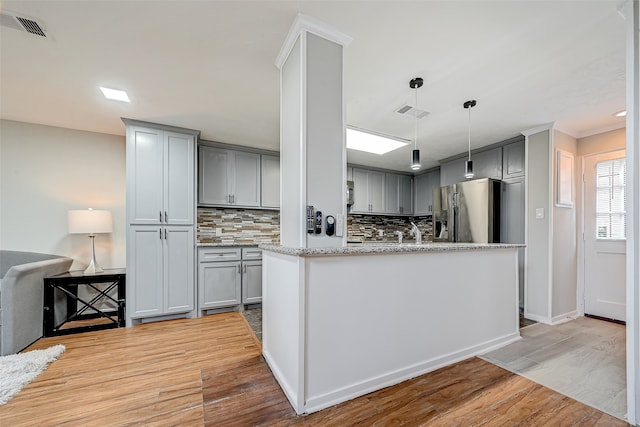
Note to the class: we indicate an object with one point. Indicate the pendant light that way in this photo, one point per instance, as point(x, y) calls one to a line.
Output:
point(415, 155)
point(468, 165)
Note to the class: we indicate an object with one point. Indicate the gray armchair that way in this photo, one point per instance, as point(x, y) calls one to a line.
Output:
point(22, 294)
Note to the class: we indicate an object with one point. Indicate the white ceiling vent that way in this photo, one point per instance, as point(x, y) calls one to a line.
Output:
point(412, 111)
point(22, 23)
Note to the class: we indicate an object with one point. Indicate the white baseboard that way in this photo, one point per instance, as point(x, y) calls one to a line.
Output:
point(537, 318)
point(317, 403)
point(563, 318)
point(292, 397)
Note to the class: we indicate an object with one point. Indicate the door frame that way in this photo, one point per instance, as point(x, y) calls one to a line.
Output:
point(581, 231)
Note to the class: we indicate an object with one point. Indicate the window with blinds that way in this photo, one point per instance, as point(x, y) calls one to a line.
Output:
point(610, 199)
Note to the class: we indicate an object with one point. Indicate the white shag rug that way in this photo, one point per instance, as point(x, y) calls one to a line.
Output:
point(18, 370)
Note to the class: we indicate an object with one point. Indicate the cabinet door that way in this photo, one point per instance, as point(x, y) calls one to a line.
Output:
point(487, 164)
point(425, 184)
point(213, 176)
point(453, 172)
point(513, 160)
point(245, 180)
point(251, 282)
point(144, 271)
point(219, 284)
point(144, 175)
point(405, 194)
point(360, 190)
point(179, 179)
point(178, 269)
point(392, 182)
point(270, 180)
point(377, 191)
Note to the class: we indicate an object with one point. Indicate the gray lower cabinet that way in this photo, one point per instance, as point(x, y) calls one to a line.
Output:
point(229, 277)
point(160, 265)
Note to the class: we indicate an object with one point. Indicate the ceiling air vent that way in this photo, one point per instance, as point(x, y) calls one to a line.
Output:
point(22, 23)
point(412, 111)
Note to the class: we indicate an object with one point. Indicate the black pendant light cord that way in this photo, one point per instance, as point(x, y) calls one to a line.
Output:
point(469, 133)
point(415, 129)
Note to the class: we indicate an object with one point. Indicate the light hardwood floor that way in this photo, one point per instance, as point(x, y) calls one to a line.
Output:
point(156, 375)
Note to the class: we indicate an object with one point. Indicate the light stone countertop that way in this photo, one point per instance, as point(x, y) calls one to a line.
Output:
point(384, 248)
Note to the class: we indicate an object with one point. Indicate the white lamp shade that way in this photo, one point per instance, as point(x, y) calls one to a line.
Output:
point(89, 221)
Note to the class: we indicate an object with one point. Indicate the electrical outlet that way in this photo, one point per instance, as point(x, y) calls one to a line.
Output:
point(539, 213)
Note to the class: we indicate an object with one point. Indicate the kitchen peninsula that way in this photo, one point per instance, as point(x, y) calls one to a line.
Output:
point(341, 322)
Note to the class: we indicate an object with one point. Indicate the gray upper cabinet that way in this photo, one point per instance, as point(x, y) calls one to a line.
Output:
point(368, 191)
point(160, 176)
point(399, 198)
point(228, 177)
point(452, 172)
point(486, 164)
point(424, 186)
point(513, 160)
point(270, 180)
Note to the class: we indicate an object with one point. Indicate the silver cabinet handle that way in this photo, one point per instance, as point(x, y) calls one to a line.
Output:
point(239, 271)
point(233, 199)
point(245, 268)
point(165, 234)
point(160, 232)
point(166, 218)
point(160, 216)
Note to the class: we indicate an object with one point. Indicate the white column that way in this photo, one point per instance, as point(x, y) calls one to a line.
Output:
point(632, 17)
point(312, 131)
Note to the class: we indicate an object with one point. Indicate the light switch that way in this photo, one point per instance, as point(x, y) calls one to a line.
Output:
point(539, 213)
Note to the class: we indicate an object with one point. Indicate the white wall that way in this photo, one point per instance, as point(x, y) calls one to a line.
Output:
point(564, 240)
point(46, 171)
point(537, 233)
point(602, 142)
point(326, 158)
point(292, 220)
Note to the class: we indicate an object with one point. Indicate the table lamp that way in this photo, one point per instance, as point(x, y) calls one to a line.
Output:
point(91, 222)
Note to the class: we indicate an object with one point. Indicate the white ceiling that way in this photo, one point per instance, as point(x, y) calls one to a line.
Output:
point(209, 65)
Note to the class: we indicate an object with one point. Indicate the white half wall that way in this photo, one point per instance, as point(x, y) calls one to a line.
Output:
point(44, 172)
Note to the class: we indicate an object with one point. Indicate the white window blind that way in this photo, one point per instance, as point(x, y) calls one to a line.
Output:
point(610, 201)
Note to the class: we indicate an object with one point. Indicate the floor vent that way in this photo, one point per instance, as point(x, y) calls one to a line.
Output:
point(22, 23)
point(412, 111)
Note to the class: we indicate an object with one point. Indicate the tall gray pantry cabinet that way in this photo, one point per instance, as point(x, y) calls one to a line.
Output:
point(160, 220)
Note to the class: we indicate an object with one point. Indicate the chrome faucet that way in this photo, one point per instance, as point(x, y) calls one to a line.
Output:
point(415, 231)
point(399, 234)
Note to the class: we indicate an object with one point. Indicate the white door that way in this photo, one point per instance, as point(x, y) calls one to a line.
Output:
point(604, 235)
point(220, 284)
point(246, 179)
point(213, 176)
point(251, 282)
point(179, 179)
point(377, 191)
point(144, 271)
point(179, 282)
point(144, 175)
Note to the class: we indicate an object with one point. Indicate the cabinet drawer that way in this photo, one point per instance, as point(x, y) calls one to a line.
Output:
point(218, 254)
point(251, 253)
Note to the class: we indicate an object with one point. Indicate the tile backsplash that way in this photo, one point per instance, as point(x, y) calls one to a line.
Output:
point(232, 226)
point(238, 226)
point(367, 228)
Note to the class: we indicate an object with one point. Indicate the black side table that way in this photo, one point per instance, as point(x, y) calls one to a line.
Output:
point(78, 307)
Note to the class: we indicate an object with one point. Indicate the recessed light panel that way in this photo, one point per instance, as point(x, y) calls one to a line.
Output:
point(371, 143)
point(622, 113)
point(115, 94)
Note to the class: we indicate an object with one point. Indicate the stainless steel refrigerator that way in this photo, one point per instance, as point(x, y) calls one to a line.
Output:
point(467, 212)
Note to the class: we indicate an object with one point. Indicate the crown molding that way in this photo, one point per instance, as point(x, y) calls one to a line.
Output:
point(304, 23)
